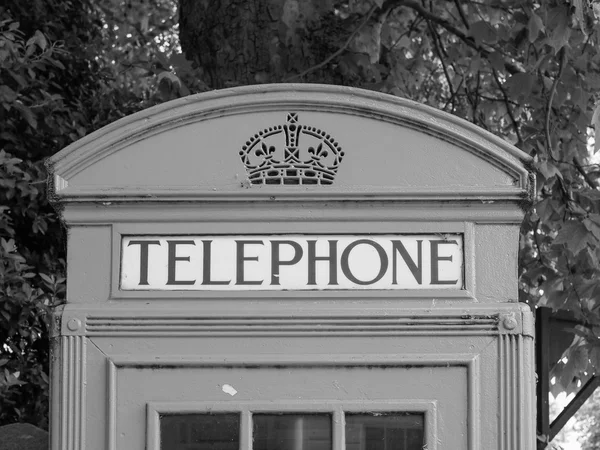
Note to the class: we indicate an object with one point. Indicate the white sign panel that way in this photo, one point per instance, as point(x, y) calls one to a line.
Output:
point(292, 262)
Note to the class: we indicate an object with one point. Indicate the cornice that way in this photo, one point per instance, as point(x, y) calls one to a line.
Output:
point(506, 319)
point(298, 97)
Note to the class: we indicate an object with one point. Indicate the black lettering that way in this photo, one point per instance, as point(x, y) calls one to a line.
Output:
point(415, 269)
point(276, 261)
point(383, 259)
point(172, 261)
point(435, 259)
point(312, 262)
point(241, 258)
point(143, 259)
point(206, 266)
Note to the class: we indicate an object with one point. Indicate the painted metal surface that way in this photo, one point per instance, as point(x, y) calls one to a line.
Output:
point(204, 166)
point(393, 149)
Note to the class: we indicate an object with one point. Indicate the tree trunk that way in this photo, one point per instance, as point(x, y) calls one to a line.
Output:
point(240, 42)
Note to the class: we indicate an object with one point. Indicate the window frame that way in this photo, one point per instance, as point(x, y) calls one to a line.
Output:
point(337, 409)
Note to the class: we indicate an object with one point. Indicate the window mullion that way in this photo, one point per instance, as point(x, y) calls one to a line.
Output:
point(338, 431)
point(246, 430)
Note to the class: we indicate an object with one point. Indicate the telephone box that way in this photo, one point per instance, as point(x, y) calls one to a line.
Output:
point(292, 267)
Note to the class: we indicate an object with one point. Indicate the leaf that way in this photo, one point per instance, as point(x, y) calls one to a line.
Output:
point(579, 355)
point(180, 63)
point(594, 354)
point(39, 39)
point(7, 95)
point(403, 42)
point(496, 60)
point(565, 374)
point(144, 23)
point(482, 31)
point(535, 26)
point(558, 21)
point(596, 125)
point(548, 170)
point(47, 279)
point(27, 114)
point(8, 246)
point(520, 84)
point(171, 77)
point(575, 235)
point(368, 41)
point(592, 224)
point(579, 8)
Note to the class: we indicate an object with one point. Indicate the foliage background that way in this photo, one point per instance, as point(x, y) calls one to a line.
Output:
point(526, 70)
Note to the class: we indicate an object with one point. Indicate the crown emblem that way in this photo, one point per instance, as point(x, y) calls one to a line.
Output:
point(291, 154)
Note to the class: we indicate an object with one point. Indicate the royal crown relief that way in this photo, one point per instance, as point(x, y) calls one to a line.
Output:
point(310, 156)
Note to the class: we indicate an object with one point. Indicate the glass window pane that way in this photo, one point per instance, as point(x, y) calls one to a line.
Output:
point(200, 432)
point(292, 432)
point(385, 431)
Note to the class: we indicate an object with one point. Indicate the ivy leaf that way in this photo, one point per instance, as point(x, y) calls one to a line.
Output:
point(559, 24)
point(579, 355)
point(591, 290)
point(482, 31)
point(579, 9)
point(535, 26)
point(575, 235)
point(592, 223)
point(548, 170)
point(565, 376)
point(496, 60)
point(520, 84)
point(594, 355)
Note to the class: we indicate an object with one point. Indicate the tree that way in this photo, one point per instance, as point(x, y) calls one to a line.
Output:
point(526, 70)
point(588, 423)
point(57, 84)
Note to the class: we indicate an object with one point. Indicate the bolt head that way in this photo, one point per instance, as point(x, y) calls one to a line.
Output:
point(74, 324)
point(510, 323)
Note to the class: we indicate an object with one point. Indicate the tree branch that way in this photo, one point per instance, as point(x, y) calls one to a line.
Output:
point(339, 51)
point(561, 66)
point(437, 46)
point(583, 173)
point(389, 5)
point(454, 96)
point(462, 14)
point(508, 108)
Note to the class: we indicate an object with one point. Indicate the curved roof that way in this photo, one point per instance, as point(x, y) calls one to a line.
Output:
point(204, 147)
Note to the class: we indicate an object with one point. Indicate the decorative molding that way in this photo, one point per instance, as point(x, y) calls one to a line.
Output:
point(338, 212)
point(516, 424)
point(480, 320)
point(193, 326)
point(287, 97)
point(111, 398)
point(72, 397)
point(519, 322)
point(105, 195)
point(469, 361)
point(258, 156)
